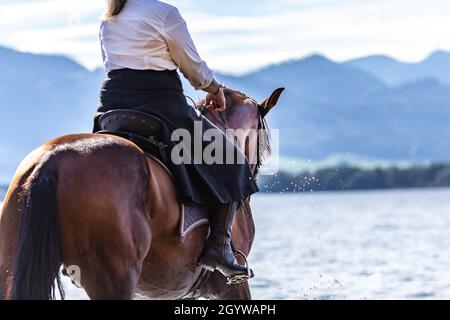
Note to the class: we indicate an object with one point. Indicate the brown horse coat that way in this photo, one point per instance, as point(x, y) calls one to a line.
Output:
point(98, 203)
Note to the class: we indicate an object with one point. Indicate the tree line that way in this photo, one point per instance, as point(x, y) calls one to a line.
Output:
point(351, 178)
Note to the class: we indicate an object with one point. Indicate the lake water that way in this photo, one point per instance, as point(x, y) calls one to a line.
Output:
point(358, 245)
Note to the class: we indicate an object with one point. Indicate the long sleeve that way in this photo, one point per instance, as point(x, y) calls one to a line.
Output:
point(103, 52)
point(101, 46)
point(183, 51)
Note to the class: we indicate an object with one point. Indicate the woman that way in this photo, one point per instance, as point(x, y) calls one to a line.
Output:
point(143, 43)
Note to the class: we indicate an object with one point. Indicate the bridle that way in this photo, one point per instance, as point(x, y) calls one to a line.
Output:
point(221, 119)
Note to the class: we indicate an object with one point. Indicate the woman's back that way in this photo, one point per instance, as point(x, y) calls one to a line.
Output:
point(134, 39)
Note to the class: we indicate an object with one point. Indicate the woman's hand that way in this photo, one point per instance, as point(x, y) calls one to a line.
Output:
point(216, 101)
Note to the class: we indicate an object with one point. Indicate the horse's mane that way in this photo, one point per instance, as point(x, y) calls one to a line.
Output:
point(264, 139)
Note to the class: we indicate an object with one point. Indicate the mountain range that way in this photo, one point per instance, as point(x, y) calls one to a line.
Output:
point(394, 72)
point(374, 107)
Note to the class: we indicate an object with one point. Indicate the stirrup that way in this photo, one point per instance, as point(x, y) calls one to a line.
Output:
point(239, 279)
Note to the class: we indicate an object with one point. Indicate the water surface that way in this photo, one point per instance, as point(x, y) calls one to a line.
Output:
point(356, 245)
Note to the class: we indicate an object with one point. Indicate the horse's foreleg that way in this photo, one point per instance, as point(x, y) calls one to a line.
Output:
point(238, 292)
point(243, 235)
point(217, 289)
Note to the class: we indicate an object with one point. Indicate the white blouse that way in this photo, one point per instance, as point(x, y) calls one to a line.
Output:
point(152, 35)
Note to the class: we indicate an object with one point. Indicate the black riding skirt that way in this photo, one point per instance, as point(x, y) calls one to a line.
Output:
point(160, 93)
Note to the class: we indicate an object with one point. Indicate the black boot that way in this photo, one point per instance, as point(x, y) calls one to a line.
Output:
point(218, 254)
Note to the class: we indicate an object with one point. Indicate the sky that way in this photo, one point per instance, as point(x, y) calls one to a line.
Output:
point(238, 36)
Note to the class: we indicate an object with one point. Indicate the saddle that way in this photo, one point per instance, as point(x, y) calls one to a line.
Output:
point(145, 130)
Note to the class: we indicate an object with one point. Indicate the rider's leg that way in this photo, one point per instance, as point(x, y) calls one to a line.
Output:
point(218, 253)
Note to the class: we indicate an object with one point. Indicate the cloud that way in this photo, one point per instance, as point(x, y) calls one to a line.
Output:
point(239, 36)
point(67, 27)
point(343, 31)
point(19, 15)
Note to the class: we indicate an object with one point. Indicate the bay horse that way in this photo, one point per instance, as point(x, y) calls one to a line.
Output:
point(99, 203)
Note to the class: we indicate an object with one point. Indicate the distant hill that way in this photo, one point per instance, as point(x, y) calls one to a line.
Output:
point(41, 97)
point(328, 109)
point(394, 73)
point(332, 108)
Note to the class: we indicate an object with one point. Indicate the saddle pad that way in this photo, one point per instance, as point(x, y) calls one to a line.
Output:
point(191, 218)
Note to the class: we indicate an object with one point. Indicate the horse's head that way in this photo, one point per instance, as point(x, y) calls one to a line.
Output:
point(245, 119)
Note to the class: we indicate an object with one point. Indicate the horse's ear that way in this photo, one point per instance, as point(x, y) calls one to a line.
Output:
point(271, 102)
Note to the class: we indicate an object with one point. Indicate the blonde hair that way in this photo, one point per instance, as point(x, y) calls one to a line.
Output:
point(113, 8)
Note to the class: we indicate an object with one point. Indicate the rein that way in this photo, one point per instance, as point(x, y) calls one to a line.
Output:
point(221, 119)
